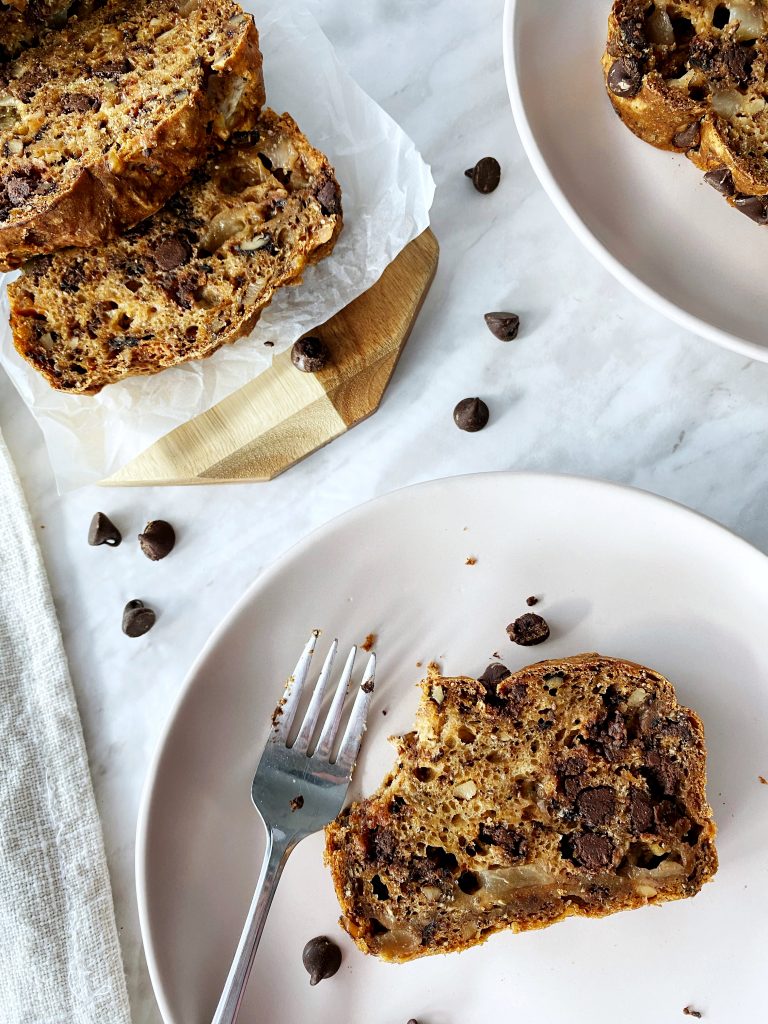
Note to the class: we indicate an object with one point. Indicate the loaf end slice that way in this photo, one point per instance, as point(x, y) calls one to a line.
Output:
point(573, 787)
point(189, 279)
point(111, 114)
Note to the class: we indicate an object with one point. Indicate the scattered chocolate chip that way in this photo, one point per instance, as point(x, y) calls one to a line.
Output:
point(297, 802)
point(493, 675)
point(641, 817)
point(531, 601)
point(528, 630)
point(625, 77)
point(103, 531)
point(157, 540)
point(596, 805)
point(137, 619)
point(321, 959)
point(367, 687)
point(689, 1012)
point(687, 138)
point(721, 180)
point(485, 175)
point(592, 851)
point(171, 252)
point(754, 207)
point(471, 414)
point(310, 354)
point(503, 326)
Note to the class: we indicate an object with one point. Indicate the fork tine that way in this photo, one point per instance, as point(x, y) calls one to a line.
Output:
point(356, 726)
point(331, 724)
point(285, 711)
point(313, 711)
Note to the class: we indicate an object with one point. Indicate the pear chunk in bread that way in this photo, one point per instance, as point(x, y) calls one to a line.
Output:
point(573, 787)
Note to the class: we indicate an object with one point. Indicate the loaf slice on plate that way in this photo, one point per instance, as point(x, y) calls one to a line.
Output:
point(690, 76)
point(22, 22)
point(191, 278)
point(574, 787)
point(110, 115)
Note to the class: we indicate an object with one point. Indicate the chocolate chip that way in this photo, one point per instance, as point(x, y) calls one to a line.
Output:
point(321, 959)
point(531, 601)
point(171, 252)
point(310, 354)
point(79, 103)
point(687, 1011)
point(367, 687)
point(508, 839)
point(485, 175)
point(137, 619)
point(103, 531)
point(640, 811)
point(721, 180)
point(528, 630)
point(113, 68)
point(592, 851)
point(329, 197)
point(493, 675)
point(297, 802)
point(471, 414)
point(157, 540)
point(72, 278)
point(625, 77)
point(503, 326)
point(754, 207)
point(687, 138)
point(596, 805)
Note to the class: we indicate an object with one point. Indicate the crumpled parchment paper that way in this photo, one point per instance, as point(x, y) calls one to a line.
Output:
point(387, 191)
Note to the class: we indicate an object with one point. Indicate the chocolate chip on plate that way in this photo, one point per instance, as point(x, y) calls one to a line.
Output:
point(721, 180)
point(103, 531)
point(485, 175)
point(321, 959)
point(690, 1012)
point(503, 326)
point(157, 540)
point(310, 354)
point(528, 630)
point(531, 601)
point(137, 618)
point(471, 414)
point(625, 77)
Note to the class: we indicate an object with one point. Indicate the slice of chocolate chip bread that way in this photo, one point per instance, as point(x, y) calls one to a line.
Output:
point(574, 787)
point(22, 22)
point(189, 279)
point(110, 115)
point(690, 76)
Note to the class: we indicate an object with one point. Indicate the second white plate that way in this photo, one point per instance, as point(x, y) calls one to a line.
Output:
point(645, 214)
point(617, 570)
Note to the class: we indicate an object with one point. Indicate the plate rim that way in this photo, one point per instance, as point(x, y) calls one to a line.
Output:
point(588, 239)
point(318, 533)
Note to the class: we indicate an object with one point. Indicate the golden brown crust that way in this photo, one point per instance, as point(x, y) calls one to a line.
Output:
point(191, 278)
point(690, 76)
point(573, 787)
point(191, 80)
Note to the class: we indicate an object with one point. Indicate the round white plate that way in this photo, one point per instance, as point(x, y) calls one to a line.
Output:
point(647, 215)
point(617, 571)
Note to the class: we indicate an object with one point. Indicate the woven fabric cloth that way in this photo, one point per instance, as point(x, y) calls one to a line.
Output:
point(59, 952)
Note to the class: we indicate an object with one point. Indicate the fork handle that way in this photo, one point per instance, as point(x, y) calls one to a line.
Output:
point(275, 856)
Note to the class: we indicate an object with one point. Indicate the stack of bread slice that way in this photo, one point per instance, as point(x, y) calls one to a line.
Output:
point(152, 202)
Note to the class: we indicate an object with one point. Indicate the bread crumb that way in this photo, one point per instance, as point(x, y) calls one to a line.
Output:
point(691, 1013)
point(531, 601)
point(369, 641)
point(471, 560)
point(418, 664)
point(383, 711)
point(763, 779)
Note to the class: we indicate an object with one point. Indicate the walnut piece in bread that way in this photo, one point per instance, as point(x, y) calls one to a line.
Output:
point(573, 787)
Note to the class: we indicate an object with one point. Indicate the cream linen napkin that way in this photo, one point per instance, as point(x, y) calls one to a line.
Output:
point(59, 953)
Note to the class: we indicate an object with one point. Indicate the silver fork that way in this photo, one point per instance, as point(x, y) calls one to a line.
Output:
point(297, 792)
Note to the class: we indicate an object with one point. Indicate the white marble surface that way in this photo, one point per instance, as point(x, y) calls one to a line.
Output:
point(596, 384)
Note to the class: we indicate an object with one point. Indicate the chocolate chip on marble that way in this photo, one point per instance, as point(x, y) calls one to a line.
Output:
point(485, 175)
point(137, 618)
point(310, 354)
point(471, 414)
point(503, 326)
point(157, 540)
point(321, 959)
point(103, 531)
point(625, 77)
point(528, 630)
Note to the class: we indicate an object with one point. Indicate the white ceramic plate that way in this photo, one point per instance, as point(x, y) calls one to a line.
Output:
point(647, 215)
point(618, 571)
